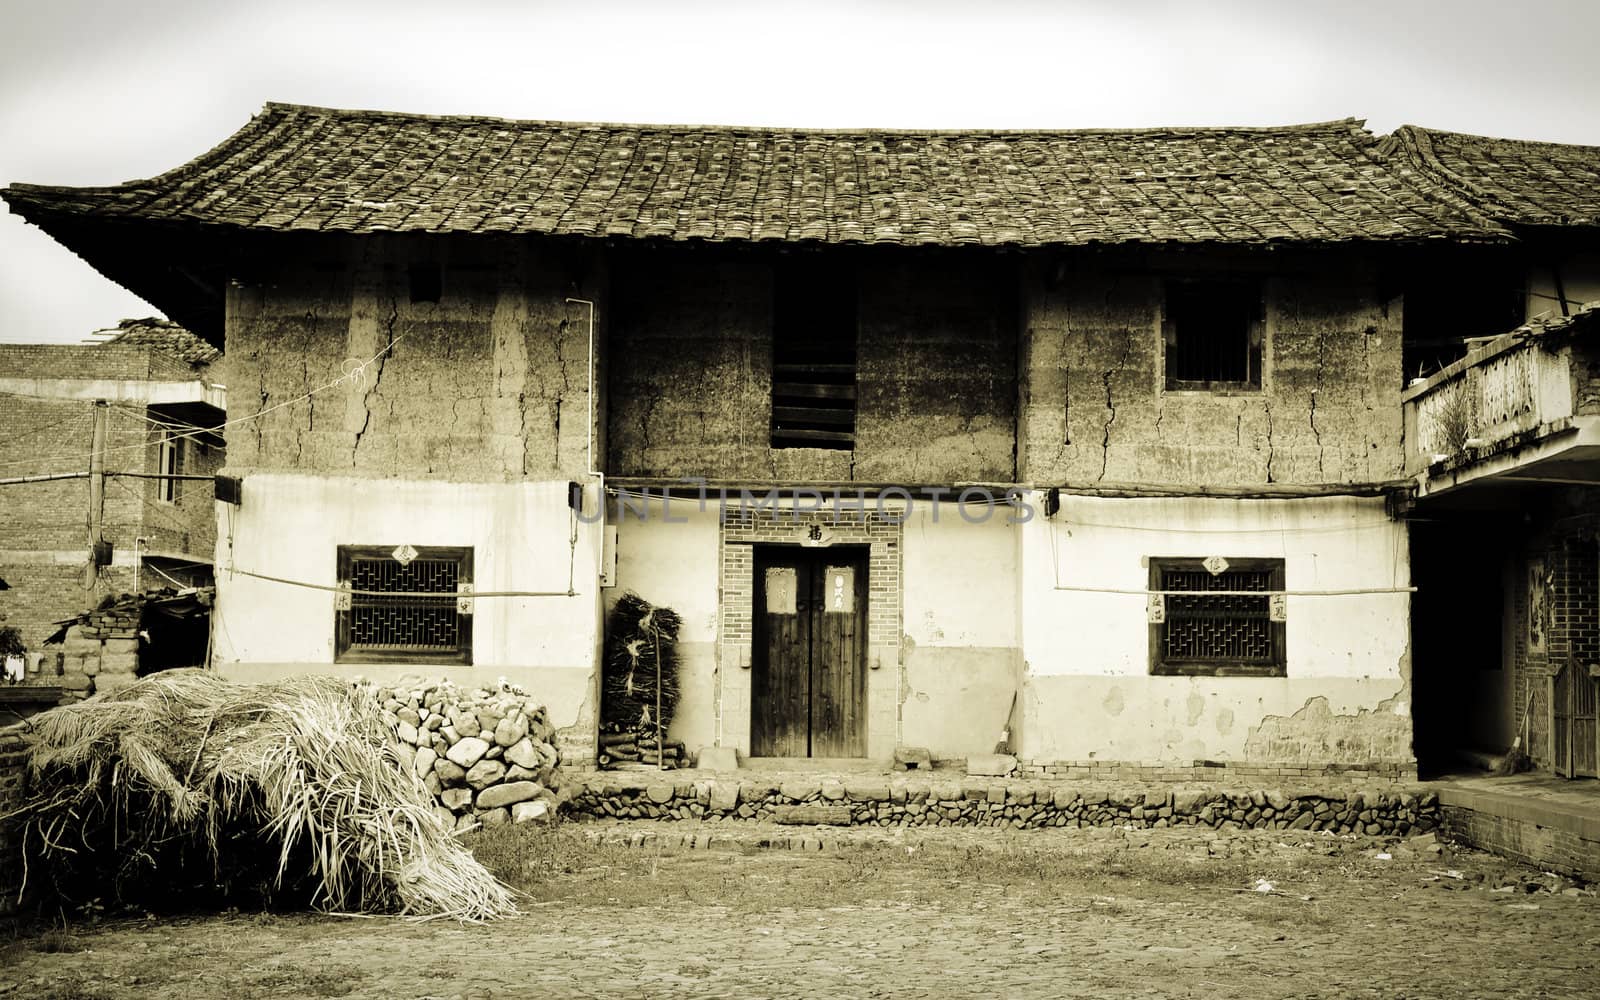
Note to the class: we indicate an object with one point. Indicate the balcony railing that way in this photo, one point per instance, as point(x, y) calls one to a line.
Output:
point(1514, 390)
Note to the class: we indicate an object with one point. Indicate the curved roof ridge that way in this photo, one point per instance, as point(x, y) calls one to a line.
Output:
point(1348, 124)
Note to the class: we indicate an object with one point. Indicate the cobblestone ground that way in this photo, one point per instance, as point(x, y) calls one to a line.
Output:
point(1080, 913)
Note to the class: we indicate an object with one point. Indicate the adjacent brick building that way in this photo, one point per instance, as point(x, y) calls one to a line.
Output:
point(150, 383)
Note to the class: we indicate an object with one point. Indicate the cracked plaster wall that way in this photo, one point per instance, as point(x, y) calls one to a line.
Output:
point(691, 348)
point(489, 384)
point(1096, 408)
point(465, 433)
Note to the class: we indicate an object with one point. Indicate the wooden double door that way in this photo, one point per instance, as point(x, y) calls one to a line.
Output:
point(808, 655)
point(1575, 721)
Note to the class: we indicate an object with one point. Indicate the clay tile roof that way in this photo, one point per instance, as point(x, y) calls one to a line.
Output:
point(295, 168)
point(1511, 180)
point(167, 336)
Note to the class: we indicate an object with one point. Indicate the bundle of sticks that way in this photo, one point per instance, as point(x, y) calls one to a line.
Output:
point(621, 751)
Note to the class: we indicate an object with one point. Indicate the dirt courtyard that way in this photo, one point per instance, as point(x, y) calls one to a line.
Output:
point(947, 913)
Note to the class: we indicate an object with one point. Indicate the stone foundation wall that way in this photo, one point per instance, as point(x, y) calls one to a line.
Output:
point(1214, 771)
point(988, 802)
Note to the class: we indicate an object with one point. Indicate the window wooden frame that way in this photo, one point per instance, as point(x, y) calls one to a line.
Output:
point(1248, 325)
point(1161, 665)
point(815, 355)
point(169, 464)
point(346, 651)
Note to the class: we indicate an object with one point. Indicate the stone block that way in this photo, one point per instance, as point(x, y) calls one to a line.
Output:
point(913, 759)
point(996, 765)
point(809, 815)
point(1188, 801)
point(799, 789)
point(659, 794)
point(724, 796)
point(468, 752)
point(510, 730)
point(456, 799)
point(508, 794)
point(449, 771)
point(529, 812)
point(495, 817)
point(832, 789)
point(423, 762)
point(866, 789)
point(485, 773)
point(717, 759)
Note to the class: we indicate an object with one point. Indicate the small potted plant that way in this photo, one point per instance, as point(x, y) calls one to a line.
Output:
point(12, 654)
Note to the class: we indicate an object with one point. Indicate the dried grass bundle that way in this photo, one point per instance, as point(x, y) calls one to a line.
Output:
point(185, 763)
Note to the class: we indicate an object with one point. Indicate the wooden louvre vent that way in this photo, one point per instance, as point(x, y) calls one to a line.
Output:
point(813, 357)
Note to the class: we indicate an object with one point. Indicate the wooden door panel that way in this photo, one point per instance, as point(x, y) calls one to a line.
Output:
point(1583, 723)
point(838, 655)
point(780, 693)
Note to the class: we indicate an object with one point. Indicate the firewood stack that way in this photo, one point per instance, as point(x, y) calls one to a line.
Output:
point(619, 751)
point(640, 686)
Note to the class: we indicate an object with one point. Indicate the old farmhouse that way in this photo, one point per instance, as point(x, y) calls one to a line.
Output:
point(1097, 439)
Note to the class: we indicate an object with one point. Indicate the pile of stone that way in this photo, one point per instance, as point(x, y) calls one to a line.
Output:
point(969, 802)
point(485, 754)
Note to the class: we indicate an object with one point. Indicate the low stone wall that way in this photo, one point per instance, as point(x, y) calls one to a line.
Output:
point(995, 803)
point(13, 784)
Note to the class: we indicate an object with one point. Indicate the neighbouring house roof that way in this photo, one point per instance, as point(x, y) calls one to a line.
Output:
point(167, 336)
point(1512, 180)
point(297, 169)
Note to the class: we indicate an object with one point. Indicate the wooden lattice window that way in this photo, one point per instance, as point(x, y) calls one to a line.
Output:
point(813, 356)
point(1237, 632)
point(403, 604)
point(1213, 332)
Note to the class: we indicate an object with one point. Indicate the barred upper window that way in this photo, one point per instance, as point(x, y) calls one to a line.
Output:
point(381, 620)
point(1213, 332)
point(1238, 632)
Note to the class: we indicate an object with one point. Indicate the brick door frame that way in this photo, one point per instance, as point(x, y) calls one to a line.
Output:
point(741, 530)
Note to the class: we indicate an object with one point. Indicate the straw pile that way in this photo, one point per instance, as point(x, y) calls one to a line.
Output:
point(185, 776)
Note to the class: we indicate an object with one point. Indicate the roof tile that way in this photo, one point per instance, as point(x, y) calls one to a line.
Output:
point(317, 169)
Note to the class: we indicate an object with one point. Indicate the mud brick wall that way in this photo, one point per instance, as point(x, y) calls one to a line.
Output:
point(1096, 406)
point(487, 384)
point(691, 379)
point(13, 776)
point(877, 801)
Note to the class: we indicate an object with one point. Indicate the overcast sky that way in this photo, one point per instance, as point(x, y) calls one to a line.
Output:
point(99, 93)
